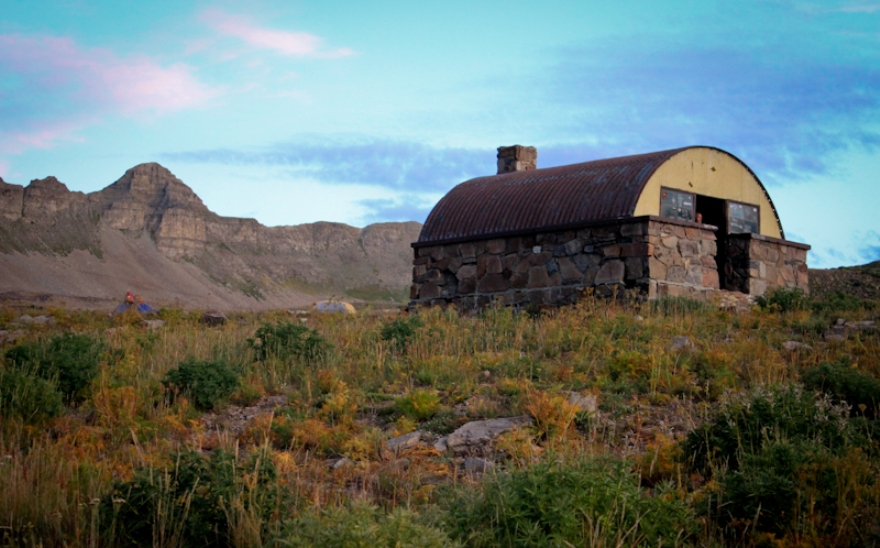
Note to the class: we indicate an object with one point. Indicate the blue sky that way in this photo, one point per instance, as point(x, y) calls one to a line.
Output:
point(294, 112)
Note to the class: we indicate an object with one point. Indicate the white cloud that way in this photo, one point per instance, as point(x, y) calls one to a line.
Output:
point(301, 44)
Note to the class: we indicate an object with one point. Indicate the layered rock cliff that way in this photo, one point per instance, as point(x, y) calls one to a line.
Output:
point(240, 258)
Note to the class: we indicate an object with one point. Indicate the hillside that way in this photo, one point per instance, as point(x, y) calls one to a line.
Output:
point(148, 232)
point(862, 282)
point(664, 424)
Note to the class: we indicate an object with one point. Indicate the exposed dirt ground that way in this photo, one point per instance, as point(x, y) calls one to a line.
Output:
point(82, 280)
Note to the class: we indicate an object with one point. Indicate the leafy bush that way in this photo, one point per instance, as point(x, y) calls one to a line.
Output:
point(582, 503)
point(71, 359)
point(286, 339)
point(838, 301)
point(783, 299)
point(193, 503)
point(844, 383)
point(361, 527)
point(207, 383)
point(796, 467)
point(28, 396)
point(401, 331)
point(418, 405)
point(743, 424)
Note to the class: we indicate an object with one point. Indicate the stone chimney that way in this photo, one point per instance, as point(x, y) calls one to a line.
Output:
point(517, 158)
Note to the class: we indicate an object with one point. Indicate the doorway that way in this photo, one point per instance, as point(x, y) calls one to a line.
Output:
point(714, 212)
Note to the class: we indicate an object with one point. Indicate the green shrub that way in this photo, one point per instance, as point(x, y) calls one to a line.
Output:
point(845, 384)
point(787, 464)
point(194, 502)
point(418, 405)
point(208, 383)
point(783, 299)
point(582, 503)
point(286, 339)
point(28, 396)
point(71, 359)
point(401, 331)
point(838, 301)
point(361, 526)
point(743, 424)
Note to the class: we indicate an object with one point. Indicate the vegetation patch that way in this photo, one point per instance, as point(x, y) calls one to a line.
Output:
point(668, 424)
point(69, 359)
point(207, 383)
point(286, 339)
point(589, 502)
point(191, 502)
point(29, 397)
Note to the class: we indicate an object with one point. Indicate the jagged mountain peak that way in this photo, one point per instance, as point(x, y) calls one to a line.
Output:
point(50, 183)
point(153, 187)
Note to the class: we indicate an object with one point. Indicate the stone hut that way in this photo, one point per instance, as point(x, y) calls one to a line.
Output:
point(683, 222)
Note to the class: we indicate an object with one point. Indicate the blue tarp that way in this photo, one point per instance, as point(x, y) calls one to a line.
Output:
point(134, 301)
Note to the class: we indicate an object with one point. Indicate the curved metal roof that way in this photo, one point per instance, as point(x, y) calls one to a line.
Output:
point(546, 198)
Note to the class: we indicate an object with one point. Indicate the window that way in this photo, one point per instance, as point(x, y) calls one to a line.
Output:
point(743, 218)
point(675, 204)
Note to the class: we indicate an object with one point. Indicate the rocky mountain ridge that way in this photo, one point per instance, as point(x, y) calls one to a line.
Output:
point(233, 258)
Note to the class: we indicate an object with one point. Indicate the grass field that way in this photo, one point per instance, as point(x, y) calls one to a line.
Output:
point(272, 428)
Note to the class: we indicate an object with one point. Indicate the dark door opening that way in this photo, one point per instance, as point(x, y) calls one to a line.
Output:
point(713, 211)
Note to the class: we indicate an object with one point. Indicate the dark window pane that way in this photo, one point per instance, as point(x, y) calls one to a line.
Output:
point(743, 218)
point(676, 205)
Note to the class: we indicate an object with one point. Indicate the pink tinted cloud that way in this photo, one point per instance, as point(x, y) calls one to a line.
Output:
point(61, 88)
point(300, 44)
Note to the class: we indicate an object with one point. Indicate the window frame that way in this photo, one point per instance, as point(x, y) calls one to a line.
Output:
point(756, 206)
point(693, 202)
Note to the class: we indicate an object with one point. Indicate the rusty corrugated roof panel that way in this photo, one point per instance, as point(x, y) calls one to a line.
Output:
point(542, 198)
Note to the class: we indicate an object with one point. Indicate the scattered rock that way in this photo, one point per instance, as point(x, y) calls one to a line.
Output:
point(234, 419)
point(26, 319)
point(461, 409)
point(587, 403)
point(401, 465)
point(43, 320)
point(340, 463)
point(152, 324)
point(476, 435)
point(477, 466)
point(734, 301)
point(793, 346)
point(403, 442)
point(213, 319)
point(680, 342)
point(843, 329)
point(638, 318)
point(441, 444)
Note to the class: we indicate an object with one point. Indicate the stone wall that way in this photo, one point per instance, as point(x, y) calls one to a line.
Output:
point(683, 261)
point(652, 256)
point(757, 263)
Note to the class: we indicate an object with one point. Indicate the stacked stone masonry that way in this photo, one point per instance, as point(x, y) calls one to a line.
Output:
point(757, 263)
point(653, 256)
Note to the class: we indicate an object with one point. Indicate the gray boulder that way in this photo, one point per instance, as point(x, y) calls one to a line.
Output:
point(477, 435)
point(403, 442)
